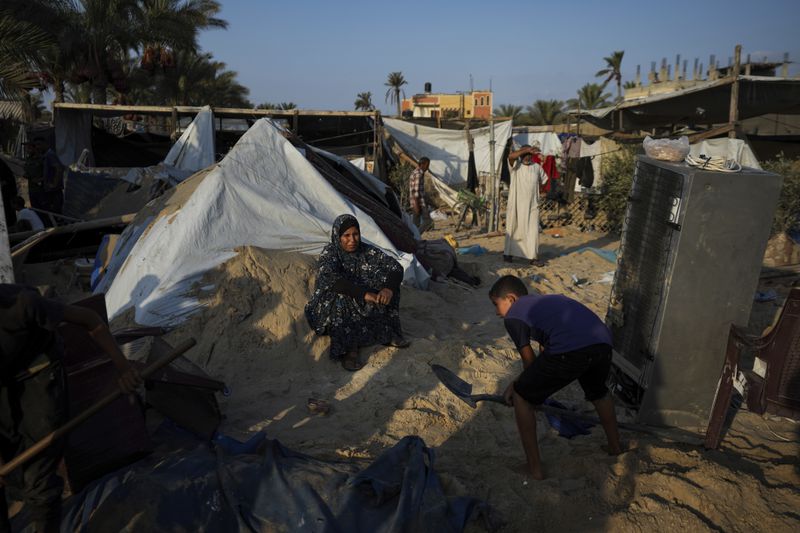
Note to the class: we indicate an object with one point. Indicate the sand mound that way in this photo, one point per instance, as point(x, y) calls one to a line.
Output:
point(254, 336)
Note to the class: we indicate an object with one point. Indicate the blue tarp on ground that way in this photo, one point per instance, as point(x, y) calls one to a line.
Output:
point(276, 489)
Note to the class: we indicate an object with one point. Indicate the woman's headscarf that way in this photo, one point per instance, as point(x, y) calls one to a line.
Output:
point(366, 266)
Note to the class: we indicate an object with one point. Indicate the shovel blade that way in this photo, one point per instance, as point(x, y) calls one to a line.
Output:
point(454, 384)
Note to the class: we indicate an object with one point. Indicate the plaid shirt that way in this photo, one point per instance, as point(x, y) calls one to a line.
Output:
point(416, 187)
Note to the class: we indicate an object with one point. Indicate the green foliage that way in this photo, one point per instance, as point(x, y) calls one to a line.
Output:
point(508, 110)
point(618, 169)
point(546, 112)
point(282, 106)
point(398, 180)
point(395, 82)
point(364, 102)
point(590, 96)
point(787, 214)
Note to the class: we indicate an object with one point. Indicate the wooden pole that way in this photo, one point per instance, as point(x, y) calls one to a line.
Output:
point(733, 116)
point(6, 266)
point(45, 442)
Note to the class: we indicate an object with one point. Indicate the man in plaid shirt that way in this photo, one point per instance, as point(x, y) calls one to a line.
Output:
point(416, 195)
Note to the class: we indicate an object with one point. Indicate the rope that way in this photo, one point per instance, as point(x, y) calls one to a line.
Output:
point(716, 164)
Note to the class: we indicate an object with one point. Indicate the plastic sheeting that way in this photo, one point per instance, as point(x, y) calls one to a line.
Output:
point(735, 149)
point(275, 490)
point(73, 135)
point(549, 143)
point(359, 162)
point(263, 193)
point(448, 149)
point(194, 150)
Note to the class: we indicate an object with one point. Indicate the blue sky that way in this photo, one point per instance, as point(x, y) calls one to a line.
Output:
point(320, 54)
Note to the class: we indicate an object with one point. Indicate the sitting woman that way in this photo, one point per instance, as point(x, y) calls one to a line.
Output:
point(356, 298)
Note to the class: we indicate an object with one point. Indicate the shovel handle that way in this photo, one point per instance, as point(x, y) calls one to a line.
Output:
point(46, 441)
point(497, 398)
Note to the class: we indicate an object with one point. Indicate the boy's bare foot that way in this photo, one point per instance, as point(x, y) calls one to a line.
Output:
point(528, 472)
point(623, 447)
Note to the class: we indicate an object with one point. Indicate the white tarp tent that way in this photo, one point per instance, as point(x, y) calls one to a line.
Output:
point(735, 149)
point(448, 150)
point(549, 143)
point(263, 193)
point(194, 150)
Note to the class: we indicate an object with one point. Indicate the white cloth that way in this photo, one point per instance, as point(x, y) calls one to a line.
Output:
point(264, 193)
point(522, 214)
point(549, 143)
point(735, 149)
point(32, 217)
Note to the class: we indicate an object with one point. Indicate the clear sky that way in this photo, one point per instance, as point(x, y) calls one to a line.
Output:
point(321, 53)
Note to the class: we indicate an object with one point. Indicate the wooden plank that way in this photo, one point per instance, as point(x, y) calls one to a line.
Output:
point(32, 238)
point(733, 115)
point(223, 112)
point(708, 134)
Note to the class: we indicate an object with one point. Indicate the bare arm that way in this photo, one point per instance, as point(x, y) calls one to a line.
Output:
point(99, 332)
point(528, 355)
point(516, 154)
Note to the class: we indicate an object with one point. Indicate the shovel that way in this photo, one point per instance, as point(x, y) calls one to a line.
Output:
point(463, 390)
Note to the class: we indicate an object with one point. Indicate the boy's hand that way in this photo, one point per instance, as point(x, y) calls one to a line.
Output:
point(371, 297)
point(129, 378)
point(508, 395)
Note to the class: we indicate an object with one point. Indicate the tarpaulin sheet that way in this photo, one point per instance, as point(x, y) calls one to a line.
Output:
point(448, 150)
point(275, 490)
point(264, 193)
point(194, 150)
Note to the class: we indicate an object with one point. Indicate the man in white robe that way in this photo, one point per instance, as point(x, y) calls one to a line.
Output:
point(522, 214)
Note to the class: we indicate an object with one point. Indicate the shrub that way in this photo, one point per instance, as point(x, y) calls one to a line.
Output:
point(787, 214)
point(618, 169)
point(398, 180)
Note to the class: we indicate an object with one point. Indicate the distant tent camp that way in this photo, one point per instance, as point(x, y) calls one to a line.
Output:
point(266, 193)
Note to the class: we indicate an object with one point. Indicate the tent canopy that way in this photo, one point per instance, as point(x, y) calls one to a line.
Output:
point(704, 103)
point(264, 193)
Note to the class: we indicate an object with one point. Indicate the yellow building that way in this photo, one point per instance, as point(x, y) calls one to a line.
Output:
point(475, 104)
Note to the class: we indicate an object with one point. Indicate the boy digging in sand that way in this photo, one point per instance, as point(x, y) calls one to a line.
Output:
point(575, 344)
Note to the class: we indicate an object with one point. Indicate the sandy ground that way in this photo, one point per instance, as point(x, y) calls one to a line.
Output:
point(254, 336)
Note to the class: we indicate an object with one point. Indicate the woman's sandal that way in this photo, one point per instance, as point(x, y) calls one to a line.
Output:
point(351, 363)
point(398, 342)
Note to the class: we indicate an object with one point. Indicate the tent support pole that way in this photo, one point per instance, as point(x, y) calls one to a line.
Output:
point(495, 197)
point(733, 116)
point(6, 266)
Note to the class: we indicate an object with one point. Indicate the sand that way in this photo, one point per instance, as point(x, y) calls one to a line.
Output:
point(253, 335)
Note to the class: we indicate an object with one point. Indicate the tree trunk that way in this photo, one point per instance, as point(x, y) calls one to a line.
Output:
point(397, 96)
point(619, 90)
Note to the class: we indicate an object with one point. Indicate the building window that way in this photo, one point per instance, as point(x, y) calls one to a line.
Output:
point(481, 100)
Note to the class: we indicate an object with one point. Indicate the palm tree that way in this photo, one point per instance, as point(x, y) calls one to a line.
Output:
point(613, 70)
point(395, 82)
point(590, 96)
point(508, 110)
point(364, 101)
point(23, 46)
point(282, 106)
point(546, 112)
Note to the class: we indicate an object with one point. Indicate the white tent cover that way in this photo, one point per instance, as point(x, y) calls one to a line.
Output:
point(194, 150)
point(735, 149)
point(448, 149)
point(263, 193)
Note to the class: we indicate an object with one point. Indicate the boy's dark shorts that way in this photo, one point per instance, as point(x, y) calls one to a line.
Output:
point(550, 373)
